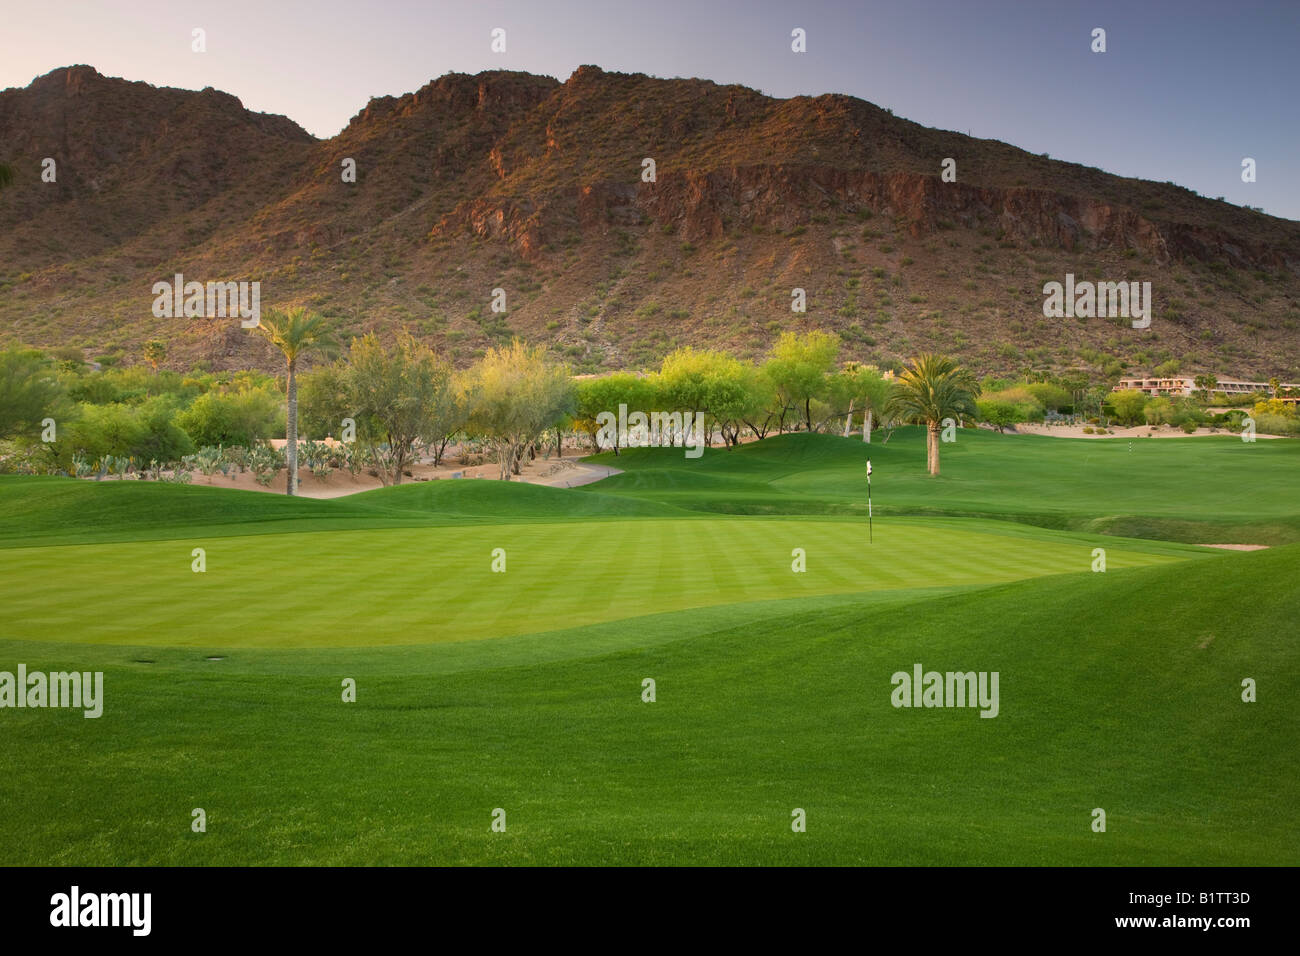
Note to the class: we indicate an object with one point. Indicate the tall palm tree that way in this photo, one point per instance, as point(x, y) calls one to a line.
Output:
point(295, 332)
point(933, 388)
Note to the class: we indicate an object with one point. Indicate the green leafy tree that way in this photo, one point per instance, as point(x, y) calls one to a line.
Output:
point(871, 392)
point(760, 401)
point(603, 394)
point(1158, 411)
point(1000, 413)
point(1050, 396)
point(139, 433)
point(687, 374)
point(800, 366)
point(323, 400)
point(30, 392)
point(1130, 405)
point(401, 396)
point(516, 394)
point(240, 416)
point(931, 389)
point(296, 333)
point(726, 399)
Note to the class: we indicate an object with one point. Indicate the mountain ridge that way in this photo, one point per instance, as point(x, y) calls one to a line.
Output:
point(520, 182)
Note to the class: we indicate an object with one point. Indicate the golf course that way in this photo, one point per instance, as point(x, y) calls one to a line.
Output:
point(669, 665)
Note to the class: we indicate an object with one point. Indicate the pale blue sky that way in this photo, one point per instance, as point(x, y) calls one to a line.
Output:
point(1183, 93)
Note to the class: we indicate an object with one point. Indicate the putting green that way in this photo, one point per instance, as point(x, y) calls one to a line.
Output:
point(436, 584)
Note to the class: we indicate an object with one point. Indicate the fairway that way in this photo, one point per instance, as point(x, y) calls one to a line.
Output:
point(523, 688)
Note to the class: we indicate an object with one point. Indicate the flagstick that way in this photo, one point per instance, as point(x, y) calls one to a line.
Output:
point(871, 534)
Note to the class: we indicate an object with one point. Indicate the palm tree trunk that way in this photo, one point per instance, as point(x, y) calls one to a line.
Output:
point(291, 432)
point(867, 424)
point(932, 447)
point(848, 421)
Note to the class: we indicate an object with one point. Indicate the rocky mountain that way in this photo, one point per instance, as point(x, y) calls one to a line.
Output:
point(540, 189)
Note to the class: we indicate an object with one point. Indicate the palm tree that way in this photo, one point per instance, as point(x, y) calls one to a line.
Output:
point(934, 388)
point(1208, 382)
point(295, 332)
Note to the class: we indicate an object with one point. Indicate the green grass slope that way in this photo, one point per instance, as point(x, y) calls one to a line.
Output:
point(1199, 490)
point(1119, 690)
point(522, 690)
point(48, 511)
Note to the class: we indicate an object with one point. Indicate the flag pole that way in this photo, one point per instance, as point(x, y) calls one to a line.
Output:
point(870, 530)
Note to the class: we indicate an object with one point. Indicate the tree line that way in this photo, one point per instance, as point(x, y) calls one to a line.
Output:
point(401, 400)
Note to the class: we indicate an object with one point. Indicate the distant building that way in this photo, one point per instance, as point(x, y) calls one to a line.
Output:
point(1186, 385)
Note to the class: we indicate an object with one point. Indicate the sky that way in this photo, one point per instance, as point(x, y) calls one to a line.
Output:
point(1184, 91)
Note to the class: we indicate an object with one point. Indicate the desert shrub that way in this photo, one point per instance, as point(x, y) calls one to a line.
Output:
point(265, 461)
point(235, 458)
point(1050, 396)
point(234, 418)
point(355, 457)
point(131, 385)
point(1158, 411)
point(30, 391)
point(1130, 405)
point(207, 459)
point(1001, 414)
point(318, 457)
point(1269, 424)
point(160, 436)
point(1011, 405)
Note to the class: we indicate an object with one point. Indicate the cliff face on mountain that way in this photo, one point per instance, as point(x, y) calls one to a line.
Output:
point(539, 188)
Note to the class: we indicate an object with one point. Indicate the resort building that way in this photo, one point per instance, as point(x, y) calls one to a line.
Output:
point(1186, 385)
